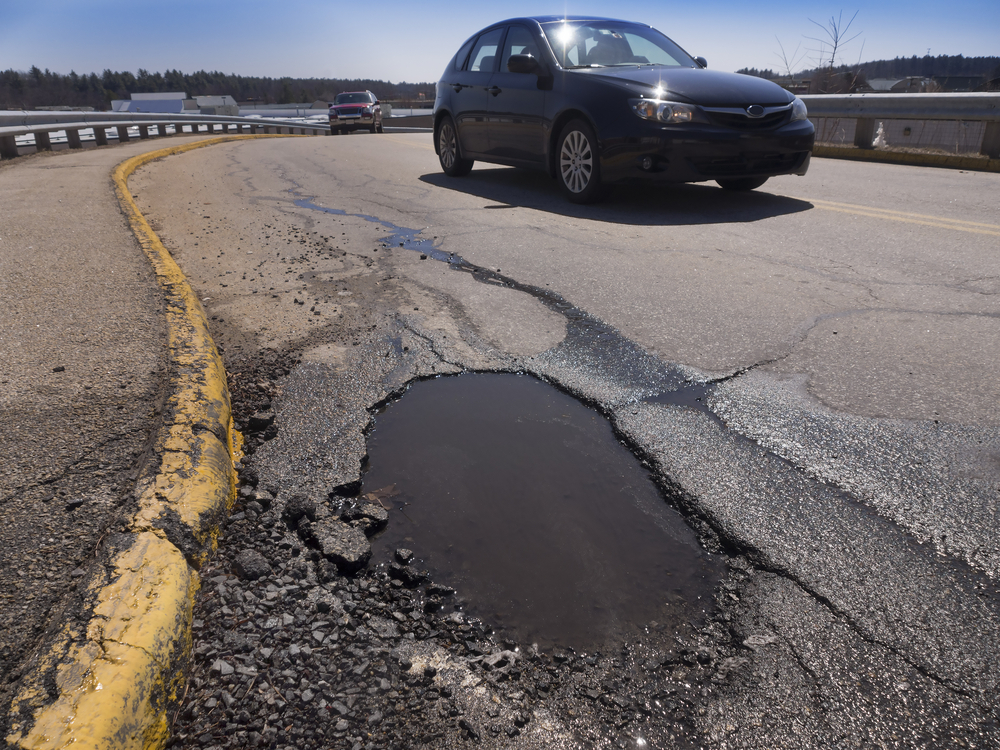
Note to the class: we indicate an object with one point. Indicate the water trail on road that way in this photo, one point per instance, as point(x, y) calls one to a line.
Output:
point(592, 342)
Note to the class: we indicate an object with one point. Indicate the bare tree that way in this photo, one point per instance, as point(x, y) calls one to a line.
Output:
point(789, 62)
point(834, 38)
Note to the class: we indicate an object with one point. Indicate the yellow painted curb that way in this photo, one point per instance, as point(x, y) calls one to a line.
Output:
point(971, 163)
point(108, 687)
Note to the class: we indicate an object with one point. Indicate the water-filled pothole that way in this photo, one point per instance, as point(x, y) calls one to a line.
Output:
point(523, 499)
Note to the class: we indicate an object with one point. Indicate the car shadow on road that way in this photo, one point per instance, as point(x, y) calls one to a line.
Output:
point(647, 205)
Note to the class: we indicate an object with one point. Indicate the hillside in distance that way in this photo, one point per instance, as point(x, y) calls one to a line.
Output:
point(38, 88)
point(941, 66)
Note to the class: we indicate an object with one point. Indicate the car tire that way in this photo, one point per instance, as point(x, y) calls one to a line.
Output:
point(742, 184)
point(578, 165)
point(448, 150)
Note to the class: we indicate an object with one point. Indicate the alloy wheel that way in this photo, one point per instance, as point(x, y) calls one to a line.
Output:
point(576, 161)
point(447, 145)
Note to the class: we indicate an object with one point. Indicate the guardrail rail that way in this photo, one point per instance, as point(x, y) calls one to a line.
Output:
point(41, 126)
point(963, 122)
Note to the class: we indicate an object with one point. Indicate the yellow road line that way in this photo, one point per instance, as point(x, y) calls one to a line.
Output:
point(939, 222)
point(115, 674)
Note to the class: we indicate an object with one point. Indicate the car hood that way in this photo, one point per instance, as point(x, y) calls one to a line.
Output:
point(351, 106)
point(710, 88)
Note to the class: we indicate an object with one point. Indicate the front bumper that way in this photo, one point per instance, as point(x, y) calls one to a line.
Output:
point(697, 154)
point(352, 122)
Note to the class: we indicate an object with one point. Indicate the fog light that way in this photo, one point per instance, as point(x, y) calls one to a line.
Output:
point(647, 163)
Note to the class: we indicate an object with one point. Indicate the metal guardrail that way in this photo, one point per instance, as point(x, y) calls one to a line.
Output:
point(41, 125)
point(868, 109)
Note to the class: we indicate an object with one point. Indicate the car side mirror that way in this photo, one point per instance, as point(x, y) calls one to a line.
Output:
point(523, 64)
point(701, 61)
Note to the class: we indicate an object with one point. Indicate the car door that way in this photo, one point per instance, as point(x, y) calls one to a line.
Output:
point(469, 93)
point(516, 104)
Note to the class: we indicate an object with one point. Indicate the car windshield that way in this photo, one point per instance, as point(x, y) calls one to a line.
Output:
point(361, 98)
point(597, 44)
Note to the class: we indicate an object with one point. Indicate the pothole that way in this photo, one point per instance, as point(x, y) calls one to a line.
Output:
point(523, 500)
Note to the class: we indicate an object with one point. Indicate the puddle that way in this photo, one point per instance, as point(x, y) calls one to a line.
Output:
point(522, 499)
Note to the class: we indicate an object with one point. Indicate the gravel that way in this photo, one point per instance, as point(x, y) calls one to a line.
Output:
point(301, 642)
point(292, 653)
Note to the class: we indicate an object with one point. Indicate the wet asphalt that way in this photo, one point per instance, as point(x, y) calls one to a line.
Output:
point(858, 606)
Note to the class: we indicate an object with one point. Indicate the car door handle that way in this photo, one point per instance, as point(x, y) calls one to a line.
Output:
point(494, 90)
point(457, 86)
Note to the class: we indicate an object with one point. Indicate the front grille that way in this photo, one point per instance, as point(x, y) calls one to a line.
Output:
point(740, 121)
point(749, 164)
point(349, 111)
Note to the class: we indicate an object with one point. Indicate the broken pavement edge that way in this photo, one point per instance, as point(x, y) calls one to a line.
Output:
point(106, 680)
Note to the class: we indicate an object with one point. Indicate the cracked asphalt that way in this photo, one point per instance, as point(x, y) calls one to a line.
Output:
point(844, 455)
point(82, 367)
point(808, 371)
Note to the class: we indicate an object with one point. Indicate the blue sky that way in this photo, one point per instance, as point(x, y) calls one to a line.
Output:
point(402, 40)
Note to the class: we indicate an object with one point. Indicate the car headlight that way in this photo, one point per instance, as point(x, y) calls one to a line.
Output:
point(672, 113)
point(799, 110)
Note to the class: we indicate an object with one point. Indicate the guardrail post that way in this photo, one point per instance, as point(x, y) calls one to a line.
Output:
point(73, 137)
point(144, 132)
point(864, 133)
point(101, 136)
point(42, 141)
point(161, 130)
point(122, 133)
point(991, 140)
point(8, 147)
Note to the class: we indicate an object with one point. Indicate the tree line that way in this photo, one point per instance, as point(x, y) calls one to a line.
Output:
point(941, 66)
point(44, 88)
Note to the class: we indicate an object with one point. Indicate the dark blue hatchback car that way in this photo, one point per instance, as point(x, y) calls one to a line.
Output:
point(595, 101)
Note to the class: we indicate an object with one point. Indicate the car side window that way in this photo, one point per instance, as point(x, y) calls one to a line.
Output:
point(463, 54)
point(484, 53)
point(519, 41)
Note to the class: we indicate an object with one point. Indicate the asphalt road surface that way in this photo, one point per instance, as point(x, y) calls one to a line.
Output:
point(809, 369)
point(82, 366)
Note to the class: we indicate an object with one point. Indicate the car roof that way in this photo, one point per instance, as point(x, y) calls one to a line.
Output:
point(565, 19)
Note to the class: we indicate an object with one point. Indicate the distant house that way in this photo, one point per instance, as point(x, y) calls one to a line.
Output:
point(794, 84)
point(217, 105)
point(167, 102)
point(175, 103)
point(908, 85)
